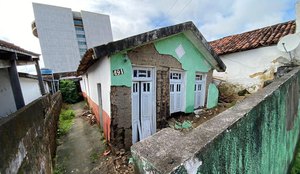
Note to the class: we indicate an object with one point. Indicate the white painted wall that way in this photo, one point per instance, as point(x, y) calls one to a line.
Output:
point(56, 32)
point(241, 65)
point(97, 28)
point(99, 73)
point(7, 101)
point(82, 85)
point(30, 89)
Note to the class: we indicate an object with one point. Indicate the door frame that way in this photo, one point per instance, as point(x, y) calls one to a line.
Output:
point(100, 104)
point(183, 90)
point(153, 80)
point(204, 76)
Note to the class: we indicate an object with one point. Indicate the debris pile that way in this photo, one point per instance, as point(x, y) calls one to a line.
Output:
point(230, 94)
point(89, 116)
point(123, 163)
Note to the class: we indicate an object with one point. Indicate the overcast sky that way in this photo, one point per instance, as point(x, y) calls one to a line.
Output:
point(214, 18)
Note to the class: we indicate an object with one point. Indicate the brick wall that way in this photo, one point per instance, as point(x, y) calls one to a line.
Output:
point(121, 133)
point(148, 56)
point(121, 117)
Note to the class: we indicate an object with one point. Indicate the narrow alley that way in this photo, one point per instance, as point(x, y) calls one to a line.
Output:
point(81, 149)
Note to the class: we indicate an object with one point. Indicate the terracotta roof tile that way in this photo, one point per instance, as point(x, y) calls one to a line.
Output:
point(12, 47)
point(253, 39)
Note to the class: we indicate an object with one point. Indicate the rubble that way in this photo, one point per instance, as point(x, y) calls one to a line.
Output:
point(89, 116)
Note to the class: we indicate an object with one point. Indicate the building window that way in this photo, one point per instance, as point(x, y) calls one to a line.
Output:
point(79, 28)
point(78, 22)
point(80, 35)
point(81, 43)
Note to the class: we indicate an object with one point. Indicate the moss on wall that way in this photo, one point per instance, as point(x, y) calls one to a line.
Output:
point(258, 143)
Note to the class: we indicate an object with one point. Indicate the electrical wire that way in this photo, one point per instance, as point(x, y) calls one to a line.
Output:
point(167, 14)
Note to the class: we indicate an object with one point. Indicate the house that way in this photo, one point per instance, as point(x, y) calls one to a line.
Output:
point(30, 87)
point(134, 84)
point(14, 91)
point(252, 57)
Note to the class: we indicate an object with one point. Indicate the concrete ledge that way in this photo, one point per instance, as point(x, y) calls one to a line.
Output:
point(171, 151)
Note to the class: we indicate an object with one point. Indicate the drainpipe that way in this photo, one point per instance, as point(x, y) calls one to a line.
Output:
point(15, 82)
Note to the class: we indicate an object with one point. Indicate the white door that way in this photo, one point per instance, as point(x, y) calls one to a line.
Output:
point(135, 107)
point(176, 91)
point(146, 109)
point(142, 104)
point(199, 90)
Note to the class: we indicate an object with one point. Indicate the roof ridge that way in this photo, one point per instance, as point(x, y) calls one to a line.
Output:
point(260, 37)
point(255, 30)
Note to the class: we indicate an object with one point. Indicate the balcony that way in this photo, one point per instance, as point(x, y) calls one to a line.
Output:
point(34, 29)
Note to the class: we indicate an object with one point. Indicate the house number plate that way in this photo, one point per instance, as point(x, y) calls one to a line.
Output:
point(118, 72)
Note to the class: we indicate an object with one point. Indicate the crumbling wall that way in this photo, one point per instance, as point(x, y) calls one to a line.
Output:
point(257, 135)
point(28, 137)
point(121, 117)
point(148, 56)
point(121, 131)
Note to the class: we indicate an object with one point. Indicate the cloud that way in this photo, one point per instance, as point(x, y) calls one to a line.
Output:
point(214, 18)
point(129, 17)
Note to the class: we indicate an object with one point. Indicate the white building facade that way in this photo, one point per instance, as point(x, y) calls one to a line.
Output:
point(65, 35)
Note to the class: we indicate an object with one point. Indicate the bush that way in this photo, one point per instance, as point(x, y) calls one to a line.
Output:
point(69, 91)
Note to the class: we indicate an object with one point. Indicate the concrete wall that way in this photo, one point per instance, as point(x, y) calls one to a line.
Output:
point(99, 73)
point(7, 101)
point(241, 65)
point(258, 135)
point(28, 137)
point(97, 28)
point(30, 89)
point(57, 36)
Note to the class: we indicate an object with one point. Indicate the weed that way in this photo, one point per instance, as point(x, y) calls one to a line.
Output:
point(94, 157)
point(65, 121)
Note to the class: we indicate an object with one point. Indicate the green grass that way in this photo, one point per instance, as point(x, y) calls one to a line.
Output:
point(65, 121)
point(94, 157)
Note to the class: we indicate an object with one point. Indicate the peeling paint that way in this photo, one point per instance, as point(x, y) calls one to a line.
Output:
point(192, 165)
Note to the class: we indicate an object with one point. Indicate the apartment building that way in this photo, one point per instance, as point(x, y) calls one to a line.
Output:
point(65, 35)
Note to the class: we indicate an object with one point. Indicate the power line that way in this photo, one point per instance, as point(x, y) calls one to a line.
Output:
point(183, 8)
point(167, 14)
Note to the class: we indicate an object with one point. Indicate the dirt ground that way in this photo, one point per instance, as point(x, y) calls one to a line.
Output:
point(83, 149)
point(229, 95)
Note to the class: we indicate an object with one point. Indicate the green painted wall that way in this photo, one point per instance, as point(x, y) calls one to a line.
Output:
point(192, 61)
point(212, 96)
point(117, 62)
point(258, 143)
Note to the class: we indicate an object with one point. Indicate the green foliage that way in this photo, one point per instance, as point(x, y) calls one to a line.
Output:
point(59, 169)
point(65, 121)
point(69, 91)
point(67, 114)
point(296, 163)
